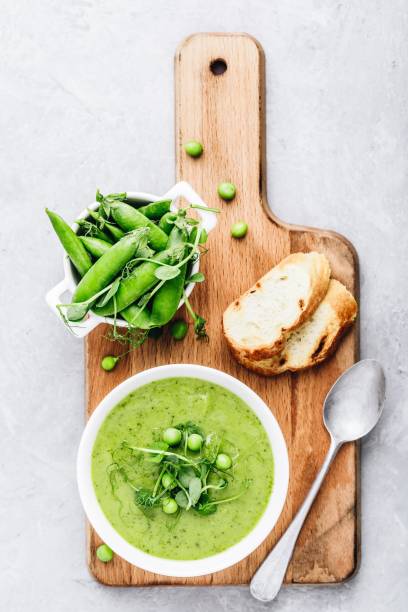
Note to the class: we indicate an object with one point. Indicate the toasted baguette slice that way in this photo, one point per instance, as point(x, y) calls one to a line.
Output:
point(257, 324)
point(314, 340)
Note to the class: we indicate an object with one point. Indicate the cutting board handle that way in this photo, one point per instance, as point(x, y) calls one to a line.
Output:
point(220, 102)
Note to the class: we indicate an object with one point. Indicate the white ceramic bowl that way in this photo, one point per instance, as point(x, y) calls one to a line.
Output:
point(68, 285)
point(168, 567)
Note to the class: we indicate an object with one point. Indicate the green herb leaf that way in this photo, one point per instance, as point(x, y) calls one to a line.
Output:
point(156, 458)
point(212, 446)
point(185, 476)
point(145, 498)
point(76, 312)
point(112, 291)
point(205, 505)
point(181, 499)
point(198, 277)
point(167, 272)
point(194, 490)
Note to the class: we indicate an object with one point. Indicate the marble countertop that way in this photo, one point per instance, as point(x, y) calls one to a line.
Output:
point(87, 101)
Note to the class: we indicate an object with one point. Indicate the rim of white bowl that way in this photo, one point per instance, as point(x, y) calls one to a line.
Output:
point(69, 272)
point(170, 567)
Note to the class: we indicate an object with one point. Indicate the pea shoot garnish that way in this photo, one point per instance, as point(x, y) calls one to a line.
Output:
point(193, 471)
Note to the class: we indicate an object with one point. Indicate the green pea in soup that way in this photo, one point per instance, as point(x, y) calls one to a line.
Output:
point(182, 468)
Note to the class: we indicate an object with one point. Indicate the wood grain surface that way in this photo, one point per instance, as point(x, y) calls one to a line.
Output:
point(226, 113)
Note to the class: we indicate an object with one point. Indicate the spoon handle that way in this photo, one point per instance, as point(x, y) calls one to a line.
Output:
point(267, 581)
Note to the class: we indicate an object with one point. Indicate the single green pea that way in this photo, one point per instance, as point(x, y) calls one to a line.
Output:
point(227, 191)
point(169, 505)
point(223, 461)
point(109, 362)
point(171, 436)
point(104, 553)
point(194, 442)
point(168, 481)
point(179, 329)
point(239, 229)
point(193, 148)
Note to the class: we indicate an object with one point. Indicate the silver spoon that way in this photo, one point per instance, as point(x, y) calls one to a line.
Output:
point(351, 410)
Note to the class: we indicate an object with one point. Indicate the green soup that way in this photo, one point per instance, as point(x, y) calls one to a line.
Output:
point(139, 420)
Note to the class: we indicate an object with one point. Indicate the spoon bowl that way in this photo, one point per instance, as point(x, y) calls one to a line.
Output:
point(354, 404)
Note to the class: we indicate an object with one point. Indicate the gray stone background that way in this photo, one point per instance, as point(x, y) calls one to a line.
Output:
point(87, 101)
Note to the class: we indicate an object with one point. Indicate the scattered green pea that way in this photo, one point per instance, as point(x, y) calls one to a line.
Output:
point(227, 191)
point(194, 442)
point(223, 461)
point(168, 481)
point(169, 505)
point(104, 553)
point(109, 362)
point(193, 148)
point(239, 229)
point(171, 436)
point(179, 329)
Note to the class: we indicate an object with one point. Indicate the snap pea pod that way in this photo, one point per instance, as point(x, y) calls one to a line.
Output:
point(128, 218)
point(115, 231)
point(166, 223)
point(92, 230)
point(155, 210)
point(141, 280)
point(106, 268)
point(167, 298)
point(203, 236)
point(165, 302)
point(71, 243)
point(95, 246)
point(137, 316)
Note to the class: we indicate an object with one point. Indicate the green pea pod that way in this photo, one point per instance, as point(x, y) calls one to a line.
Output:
point(95, 246)
point(71, 243)
point(166, 300)
point(166, 223)
point(137, 284)
point(137, 316)
point(92, 230)
point(203, 235)
point(106, 268)
point(156, 210)
point(128, 218)
point(115, 231)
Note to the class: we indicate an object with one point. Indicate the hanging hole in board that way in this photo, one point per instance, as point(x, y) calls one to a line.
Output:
point(218, 66)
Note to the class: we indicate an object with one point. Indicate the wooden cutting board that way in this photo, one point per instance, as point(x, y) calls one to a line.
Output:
point(225, 110)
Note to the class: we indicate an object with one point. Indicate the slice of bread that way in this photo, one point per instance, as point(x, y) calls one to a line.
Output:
point(316, 339)
point(257, 324)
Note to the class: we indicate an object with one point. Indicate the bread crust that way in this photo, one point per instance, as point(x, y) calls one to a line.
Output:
point(344, 308)
point(319, 271)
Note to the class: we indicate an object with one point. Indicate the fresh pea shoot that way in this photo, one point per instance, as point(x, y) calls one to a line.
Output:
point(193, 471)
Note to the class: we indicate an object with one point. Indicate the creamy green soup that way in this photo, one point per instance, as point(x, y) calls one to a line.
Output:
point(139, 420)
